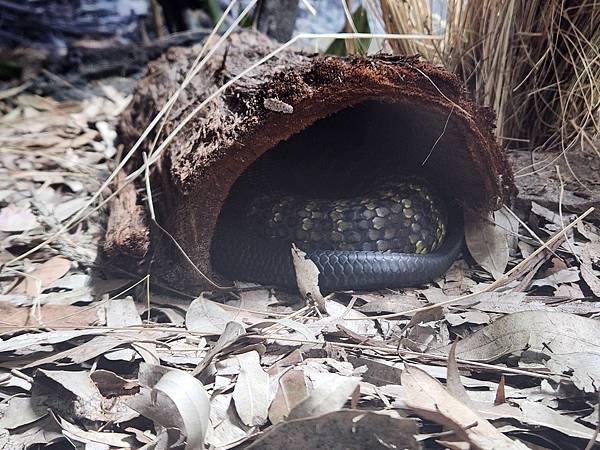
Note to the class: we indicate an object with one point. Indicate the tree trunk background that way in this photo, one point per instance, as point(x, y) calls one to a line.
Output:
point(195, 173)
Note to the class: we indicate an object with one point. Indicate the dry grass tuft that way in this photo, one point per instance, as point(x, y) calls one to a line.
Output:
point(537, 63)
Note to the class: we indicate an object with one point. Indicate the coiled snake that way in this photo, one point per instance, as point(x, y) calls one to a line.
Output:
point(398, 233)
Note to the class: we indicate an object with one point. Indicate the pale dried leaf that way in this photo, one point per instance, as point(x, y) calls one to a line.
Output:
point(542, 331)
point(307, 276)
point(206, 316)
point(330, 393)
point(535, 413)
point(122, 313)
point(590, 251)
point(251, 394)
point(569, 275)
point(176, 400)
point(43, 275)
point(22, 411)
point(17, 218)
point(426, 397)
point(453, 382)
point(232, 332)
point(585, 369)
point(292, 390)
point(113, 439)
point(487, 242)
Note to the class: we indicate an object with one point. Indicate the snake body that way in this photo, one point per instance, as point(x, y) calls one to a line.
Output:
point(397, 233)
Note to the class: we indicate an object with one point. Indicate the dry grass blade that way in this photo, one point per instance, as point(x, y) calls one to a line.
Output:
point(537, 64)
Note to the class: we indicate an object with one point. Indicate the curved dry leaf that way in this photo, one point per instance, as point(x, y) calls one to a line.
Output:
point(487, 242)
point(534, 413)
point(112, 439)
point(307, 277)
point(585, 369)
point(252, 393)
point(22, 411)
point(543, 331)
point(16, 218)
point(292, 391)
point(42, 276)
point(205, 316)
point(330, 394)
point(428, 398)
point(591, 277)
point(232, 332)
point(176, 400)
point(453, 382)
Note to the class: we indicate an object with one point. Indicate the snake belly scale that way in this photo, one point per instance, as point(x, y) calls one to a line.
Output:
point(395, 233)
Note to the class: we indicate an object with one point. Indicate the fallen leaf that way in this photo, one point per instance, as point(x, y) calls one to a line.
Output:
point(534, 413)
point(174, 399)
point(307, 277)
point(569, 275)
point(487, 241)
point(121, 313)
point(251, 394)
point(453, 382)
point(426, 397)
point(231, 334)
point(42, 276)
point(74, 393)
point(292, 390)
point(22, 411)
point(17, 218)
point(113, 439)
point(208, 317)
point(46, 315)
point(330, 393)
point(591, 277)
point(543, 331)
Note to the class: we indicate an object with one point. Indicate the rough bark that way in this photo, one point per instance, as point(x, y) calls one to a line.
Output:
point(193, 177)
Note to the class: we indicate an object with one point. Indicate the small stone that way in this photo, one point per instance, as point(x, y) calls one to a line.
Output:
point(408, 213)
point(406, 202)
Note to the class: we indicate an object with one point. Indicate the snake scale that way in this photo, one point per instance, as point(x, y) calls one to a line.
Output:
point(398, 232)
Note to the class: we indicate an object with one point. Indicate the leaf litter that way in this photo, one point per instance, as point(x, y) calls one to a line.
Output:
point(104, 363)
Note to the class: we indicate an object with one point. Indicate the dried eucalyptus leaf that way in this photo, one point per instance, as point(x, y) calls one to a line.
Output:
point(487, 241)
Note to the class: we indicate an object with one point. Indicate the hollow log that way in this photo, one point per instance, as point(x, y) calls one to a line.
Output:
point(404, 110)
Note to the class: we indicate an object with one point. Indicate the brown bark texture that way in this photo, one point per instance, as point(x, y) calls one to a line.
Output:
point(439, 127)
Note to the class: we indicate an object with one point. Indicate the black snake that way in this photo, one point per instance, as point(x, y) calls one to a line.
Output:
point(397, 233)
